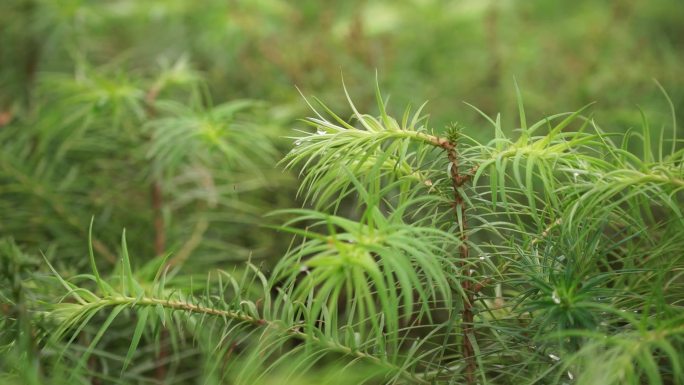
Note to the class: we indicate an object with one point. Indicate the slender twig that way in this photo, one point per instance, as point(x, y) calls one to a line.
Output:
point(458, 179)
point(239, 316)
point(157, 194)
point(157, 198)
point(157, 206)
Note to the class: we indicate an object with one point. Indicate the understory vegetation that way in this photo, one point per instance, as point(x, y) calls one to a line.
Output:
point(168, 217)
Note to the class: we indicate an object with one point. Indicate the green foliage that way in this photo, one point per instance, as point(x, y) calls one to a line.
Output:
point(147, 234)
point(386, 291)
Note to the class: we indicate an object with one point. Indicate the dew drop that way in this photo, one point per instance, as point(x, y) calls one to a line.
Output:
point(298, 142)
point(570, 376)
point(554, 357)
point(321, 131)
point(556, 299)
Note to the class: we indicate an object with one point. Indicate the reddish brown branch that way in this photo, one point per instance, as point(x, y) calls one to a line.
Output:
point(157, 198)
point(157, 193)
point(157, 206)
point(457, 181)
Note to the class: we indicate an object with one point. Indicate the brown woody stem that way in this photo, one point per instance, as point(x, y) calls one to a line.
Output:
point(458, 179)
point(157, 198)
point(157, 206)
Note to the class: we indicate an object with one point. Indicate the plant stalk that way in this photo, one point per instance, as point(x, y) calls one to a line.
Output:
point(458, 180)
point(189, 307)
point(157, 200)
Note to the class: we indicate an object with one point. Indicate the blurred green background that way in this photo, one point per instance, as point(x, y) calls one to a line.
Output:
point(563, 54)
point(75, 76)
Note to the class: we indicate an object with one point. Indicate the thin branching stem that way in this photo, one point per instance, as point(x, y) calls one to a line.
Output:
point(157, 201)
point(457, 181)
point(329, 345)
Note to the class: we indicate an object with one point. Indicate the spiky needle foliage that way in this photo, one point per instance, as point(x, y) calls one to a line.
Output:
point(550, 258)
